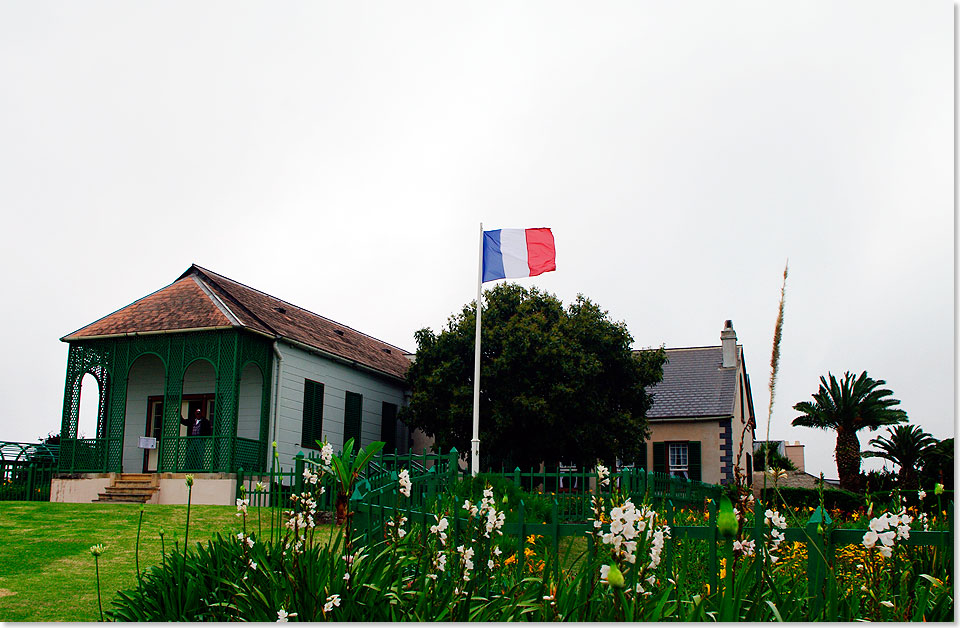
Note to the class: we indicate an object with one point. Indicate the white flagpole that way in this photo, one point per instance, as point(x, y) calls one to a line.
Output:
point(475, 443)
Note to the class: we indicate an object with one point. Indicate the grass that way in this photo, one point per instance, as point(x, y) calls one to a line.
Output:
point(48, 574)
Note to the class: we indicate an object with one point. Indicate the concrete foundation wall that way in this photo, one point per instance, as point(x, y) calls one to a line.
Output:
point(80, 490)
point(217, 489)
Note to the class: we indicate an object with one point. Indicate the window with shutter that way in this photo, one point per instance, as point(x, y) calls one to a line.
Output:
point(312, 427)
point(659, 458)
point(352, 421)
point(388, 427)
point(694, 469)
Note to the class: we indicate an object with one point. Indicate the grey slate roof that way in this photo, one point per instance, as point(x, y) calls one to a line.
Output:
point(694, 385)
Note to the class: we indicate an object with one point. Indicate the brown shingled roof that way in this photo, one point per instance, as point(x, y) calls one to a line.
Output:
point(202, 298)
point(180, 306)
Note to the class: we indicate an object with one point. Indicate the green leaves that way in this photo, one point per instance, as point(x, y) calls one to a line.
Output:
point(556, 383)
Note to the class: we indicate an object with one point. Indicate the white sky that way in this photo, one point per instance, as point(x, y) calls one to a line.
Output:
point(341, 155)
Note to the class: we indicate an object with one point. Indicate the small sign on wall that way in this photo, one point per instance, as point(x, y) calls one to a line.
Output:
point(148, 442)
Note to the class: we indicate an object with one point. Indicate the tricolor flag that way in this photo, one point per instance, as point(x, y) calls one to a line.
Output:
point(509, 253)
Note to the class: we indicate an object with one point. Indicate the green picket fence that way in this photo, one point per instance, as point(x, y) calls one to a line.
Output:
point(376, 503)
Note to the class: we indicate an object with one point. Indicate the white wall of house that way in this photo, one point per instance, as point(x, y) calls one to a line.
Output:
point(740, 428)
point(248, 406)
point(146, 379)
point(337, 379)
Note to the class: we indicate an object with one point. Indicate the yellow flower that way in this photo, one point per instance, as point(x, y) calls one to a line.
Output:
point(511, 560)
point(532, 538)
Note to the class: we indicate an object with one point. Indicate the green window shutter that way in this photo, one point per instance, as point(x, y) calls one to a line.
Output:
point(693, 460)
point(352, 412)
point(643, 455)
point(659, 458)
point(312, 429)
point(388, 427)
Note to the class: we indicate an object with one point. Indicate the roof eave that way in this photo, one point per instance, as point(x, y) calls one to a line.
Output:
point(156, 332)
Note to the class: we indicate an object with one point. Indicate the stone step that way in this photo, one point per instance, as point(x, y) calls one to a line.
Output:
point(122, 498)
point(131, 488)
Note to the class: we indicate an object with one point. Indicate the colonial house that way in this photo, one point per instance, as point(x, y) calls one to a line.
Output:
point(259, 369)
point(702, 420)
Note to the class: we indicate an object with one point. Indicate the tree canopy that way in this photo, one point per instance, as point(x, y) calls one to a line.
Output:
point(556, 384)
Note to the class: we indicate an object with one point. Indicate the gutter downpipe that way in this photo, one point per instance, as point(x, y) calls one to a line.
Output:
point(276, 392)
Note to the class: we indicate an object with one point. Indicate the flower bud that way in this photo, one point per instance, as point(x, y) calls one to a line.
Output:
point(938, 489)
point(189, 479)
point(96, 550)
point(726, 520)
point(615, 578)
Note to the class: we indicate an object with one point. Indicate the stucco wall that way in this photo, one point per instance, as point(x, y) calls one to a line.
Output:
point(707, 432)
point(337, 379)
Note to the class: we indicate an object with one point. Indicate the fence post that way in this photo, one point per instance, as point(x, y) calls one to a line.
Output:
point(298, 469)
point(556, 541)
point(516, 477)
point(239, 482)
point(758, 533)
point(816, 559)
point(712, 545)
point(30, 477)
point(668, 543)
point(521, 538)
point(454, 467)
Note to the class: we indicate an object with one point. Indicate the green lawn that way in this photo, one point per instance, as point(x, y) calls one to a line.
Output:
point(47, 572)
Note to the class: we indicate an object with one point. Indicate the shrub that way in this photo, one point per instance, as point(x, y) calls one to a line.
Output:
point(798, 497)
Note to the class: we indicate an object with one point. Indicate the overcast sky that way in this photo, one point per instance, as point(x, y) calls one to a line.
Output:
point(341, 156)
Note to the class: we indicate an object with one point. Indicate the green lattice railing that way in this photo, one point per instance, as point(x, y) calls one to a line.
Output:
point(249, 455)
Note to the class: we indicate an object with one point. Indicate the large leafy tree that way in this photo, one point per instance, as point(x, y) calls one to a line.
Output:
point(556, 384)
point(846, 407)
point(905, 446)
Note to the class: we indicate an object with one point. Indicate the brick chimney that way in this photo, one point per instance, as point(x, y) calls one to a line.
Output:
point(728, 340)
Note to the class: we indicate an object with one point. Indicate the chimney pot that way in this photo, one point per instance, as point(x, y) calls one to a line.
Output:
point(728, 342)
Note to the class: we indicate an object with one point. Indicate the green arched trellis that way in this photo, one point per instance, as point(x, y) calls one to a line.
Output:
point(110, 359)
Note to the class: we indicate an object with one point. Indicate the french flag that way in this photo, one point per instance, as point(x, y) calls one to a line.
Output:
point(509, 253)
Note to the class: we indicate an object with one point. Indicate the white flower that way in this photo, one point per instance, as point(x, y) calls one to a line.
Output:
point(888, 538)
point(490, 564)
point(346, 576)
point(603, 474)
point(747, 548)
point(887, 603)
point(921, 495)
point(333, 600)
point(405, 483)
point(282, 616)
point(870, 539)
point(326, 453)
point(885, 551)
point(604, 573)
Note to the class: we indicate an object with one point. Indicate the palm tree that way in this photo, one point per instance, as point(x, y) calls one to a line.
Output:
point(905, 446)
point(848, 407)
